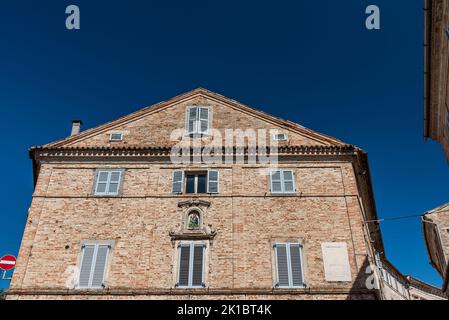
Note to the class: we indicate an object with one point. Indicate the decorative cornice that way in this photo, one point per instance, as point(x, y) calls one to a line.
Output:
point(166, 151)
point(198, 292)
point(194, 203)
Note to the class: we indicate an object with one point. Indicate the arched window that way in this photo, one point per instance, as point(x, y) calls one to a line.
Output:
point(194, 220)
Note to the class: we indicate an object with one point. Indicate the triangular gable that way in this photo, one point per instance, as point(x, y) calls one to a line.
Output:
point(88, 137)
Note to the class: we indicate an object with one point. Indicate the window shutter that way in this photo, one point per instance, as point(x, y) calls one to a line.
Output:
point(204, 120)
point(276, 182)
point(296, 265)
point(282, 265)
point(192, 117)
point(184, 266)
point(114, 182)
point(212, 181)
point(100, 266)
point(197, 266)
point(178, 177)
point(289, 181)
point(102, 182)
point(86, 266)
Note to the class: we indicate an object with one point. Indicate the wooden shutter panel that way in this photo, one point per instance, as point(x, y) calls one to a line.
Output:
point(197, 266)
point(276, 182)
point(100, 266)
point(114, 182)
point(296, 265)
point(86, 266)
point(204, 120)
point(184, 266)
point(289, 183)
point(212, 181)
point(178, 177)
point(282, 265)
point(101, 182)
point(192, 117)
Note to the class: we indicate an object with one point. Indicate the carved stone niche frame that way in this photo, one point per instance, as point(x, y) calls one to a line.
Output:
point(183, 232)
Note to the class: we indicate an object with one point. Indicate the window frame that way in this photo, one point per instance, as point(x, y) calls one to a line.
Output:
point(275, 137)
point(196, 174)
point(195, 183)
point(282, 180)
point(197, 123)
point(191, 245)
point(96, 244)
point(289, 265)
point(108, 182)
point(115, 140)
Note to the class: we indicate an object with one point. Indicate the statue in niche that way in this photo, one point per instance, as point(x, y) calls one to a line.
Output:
point(194, 220)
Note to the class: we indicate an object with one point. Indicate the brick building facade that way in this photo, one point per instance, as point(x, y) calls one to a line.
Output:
point(436, 96)
point(113, 217)
point(435, 225)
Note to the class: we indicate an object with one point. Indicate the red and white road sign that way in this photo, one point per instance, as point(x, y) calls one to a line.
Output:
point(7, 262)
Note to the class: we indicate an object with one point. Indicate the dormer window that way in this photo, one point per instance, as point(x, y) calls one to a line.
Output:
point(115, 137)
point(198, 120)
point(280, 137)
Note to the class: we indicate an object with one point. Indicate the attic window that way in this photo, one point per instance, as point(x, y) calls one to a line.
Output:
point(280, 137)
point(116, 137)
point(198, 120)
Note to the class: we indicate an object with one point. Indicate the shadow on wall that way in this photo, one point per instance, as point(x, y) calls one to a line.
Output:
point(359, 290)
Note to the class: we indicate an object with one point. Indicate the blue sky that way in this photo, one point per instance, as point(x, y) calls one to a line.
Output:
point(312, 62)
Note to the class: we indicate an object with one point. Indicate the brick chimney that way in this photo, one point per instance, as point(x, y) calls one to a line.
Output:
point(76, 127)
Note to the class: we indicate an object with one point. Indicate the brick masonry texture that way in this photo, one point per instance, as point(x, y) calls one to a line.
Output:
point(248, 220)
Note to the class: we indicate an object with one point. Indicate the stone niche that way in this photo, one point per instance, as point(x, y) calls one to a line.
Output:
point(194, 222)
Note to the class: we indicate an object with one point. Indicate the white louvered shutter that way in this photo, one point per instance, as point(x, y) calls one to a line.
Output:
point(197, 266)
point(102, 182)
point(178, 177)
point(184, 266)
point(86, 266)
point(99, 269)
point(296, 265)
point(276, 182)
point(204, 120)
point(212, 181)
point(288, 181)
point(282, 265)
point(192, 120)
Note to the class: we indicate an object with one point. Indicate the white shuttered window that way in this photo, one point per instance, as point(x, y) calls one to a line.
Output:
point(289, 265)
point(108, 182)
point(282, 181)
point(191, 265)
point(94, 260)
point(198, 120)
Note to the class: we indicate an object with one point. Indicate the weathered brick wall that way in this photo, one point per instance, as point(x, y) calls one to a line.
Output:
point(247, 218)
point(162, 123)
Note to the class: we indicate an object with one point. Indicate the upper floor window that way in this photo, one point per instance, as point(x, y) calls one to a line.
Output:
point(94, 258)
point(289, 265)
point(196, 182)
point(191, 265)
point(280, 137)
point(198, 120)
point(282, 181)
point(115, 137)
point(108, 182)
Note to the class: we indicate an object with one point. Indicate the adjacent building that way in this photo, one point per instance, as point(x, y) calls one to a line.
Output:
point(436, 105)
point(419, 290)
point(435, 225)
point(115, 214)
